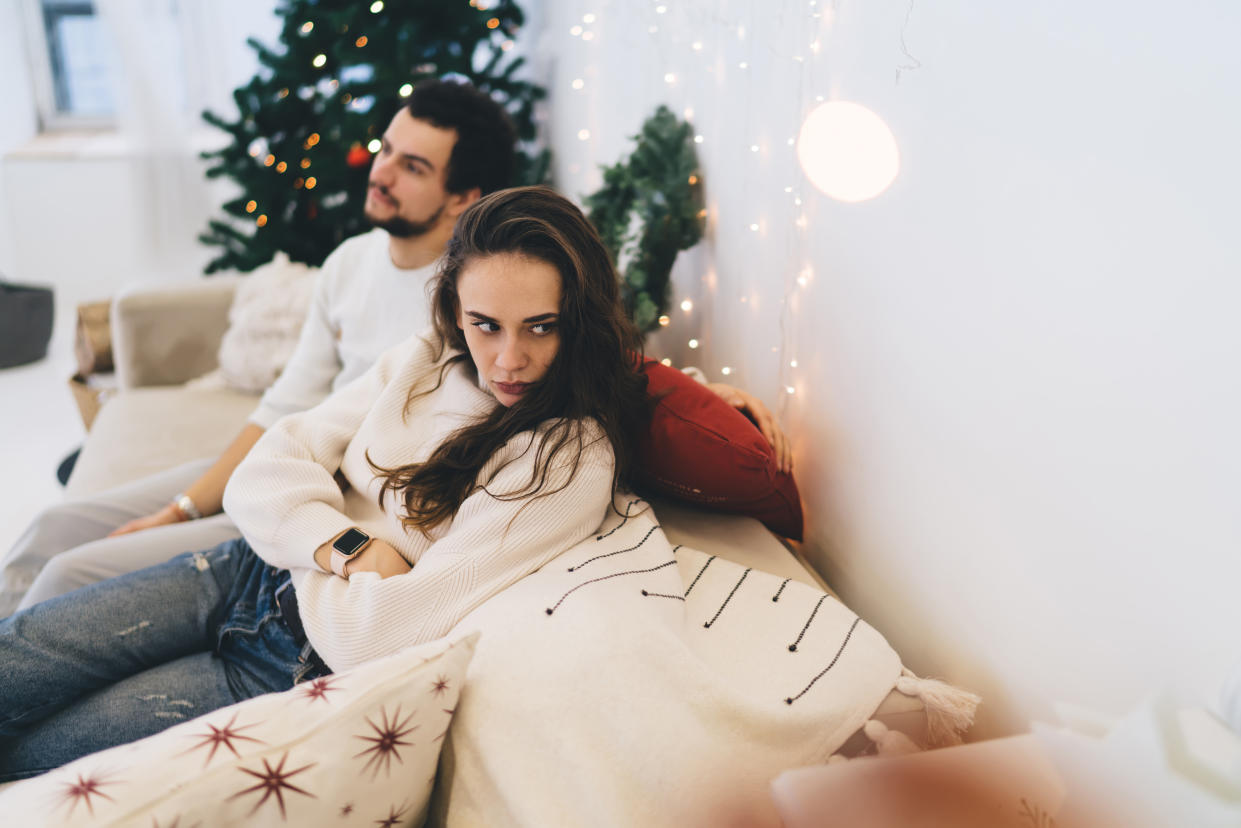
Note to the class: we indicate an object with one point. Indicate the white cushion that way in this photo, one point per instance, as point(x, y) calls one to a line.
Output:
point(264, 322)
point(354, 748)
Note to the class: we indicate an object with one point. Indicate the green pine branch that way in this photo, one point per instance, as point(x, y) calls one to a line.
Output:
point(648, 210)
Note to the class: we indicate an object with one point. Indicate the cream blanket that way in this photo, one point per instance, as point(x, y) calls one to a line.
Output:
point(632, 683)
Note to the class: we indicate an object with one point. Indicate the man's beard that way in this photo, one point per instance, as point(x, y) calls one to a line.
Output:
point(404, 228)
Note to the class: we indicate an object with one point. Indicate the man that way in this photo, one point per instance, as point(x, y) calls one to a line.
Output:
point(447, 148)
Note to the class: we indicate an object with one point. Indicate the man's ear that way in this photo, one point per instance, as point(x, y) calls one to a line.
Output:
point(458, 203)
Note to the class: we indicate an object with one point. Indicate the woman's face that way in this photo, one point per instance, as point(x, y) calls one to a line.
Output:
point(510, 313)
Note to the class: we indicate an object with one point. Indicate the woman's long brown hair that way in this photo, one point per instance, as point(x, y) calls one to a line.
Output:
point(595, 373)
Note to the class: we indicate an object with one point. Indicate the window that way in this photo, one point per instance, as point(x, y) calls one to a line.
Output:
point(72, 62)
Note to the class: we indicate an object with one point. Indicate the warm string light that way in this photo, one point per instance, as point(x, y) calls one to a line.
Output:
point(804, 49)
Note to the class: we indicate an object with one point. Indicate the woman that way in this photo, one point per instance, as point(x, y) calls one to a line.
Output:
point(459, 463)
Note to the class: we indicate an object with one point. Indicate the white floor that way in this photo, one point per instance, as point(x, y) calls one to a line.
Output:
point(39, 425)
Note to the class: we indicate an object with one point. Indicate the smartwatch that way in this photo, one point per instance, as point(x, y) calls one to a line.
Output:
point(346, 548)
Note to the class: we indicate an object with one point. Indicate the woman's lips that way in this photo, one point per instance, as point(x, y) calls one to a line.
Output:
point(514, 389)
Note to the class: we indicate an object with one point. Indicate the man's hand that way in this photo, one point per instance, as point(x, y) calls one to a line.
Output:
point(168, 514)
point(379, 556)
point(753, 407)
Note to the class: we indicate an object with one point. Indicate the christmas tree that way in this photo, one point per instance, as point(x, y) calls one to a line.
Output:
point(311, 119)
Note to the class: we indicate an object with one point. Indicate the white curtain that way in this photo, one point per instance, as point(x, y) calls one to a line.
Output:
point(176, 58)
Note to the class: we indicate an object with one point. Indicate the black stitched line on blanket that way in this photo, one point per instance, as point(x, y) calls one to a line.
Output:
point(736, 587)
point(550, 610)
point(662, 595)
point(699, 575)
point(776, 597)
point(617, 552)
point(623, 522)
point(835, 658)
point(793, 646)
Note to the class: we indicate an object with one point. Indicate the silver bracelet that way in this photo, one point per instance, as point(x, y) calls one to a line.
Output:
point(182, 501)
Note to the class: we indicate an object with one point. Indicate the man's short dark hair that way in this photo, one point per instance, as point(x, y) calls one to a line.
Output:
point(482, 157)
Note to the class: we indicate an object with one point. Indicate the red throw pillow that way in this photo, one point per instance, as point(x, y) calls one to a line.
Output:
point(701, 450)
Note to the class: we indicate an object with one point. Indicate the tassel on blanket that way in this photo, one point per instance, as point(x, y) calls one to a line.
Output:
point(889, 742)
point(949, 710)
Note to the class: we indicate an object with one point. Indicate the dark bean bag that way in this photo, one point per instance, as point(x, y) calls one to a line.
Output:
point(25, 323)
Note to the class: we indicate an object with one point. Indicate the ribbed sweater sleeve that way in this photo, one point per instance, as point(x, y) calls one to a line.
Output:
point(307, 378)
point(490, 544)
point(284, 497)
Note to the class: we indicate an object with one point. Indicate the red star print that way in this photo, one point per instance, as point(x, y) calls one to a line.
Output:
point(318, 688)
point(225, 735)
point(82, 789)
point(449, 711)
point(274, 782)
point(386, 741)
point(440, 685)
point(394, 816)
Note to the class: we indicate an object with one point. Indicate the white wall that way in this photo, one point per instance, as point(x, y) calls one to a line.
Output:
point(1016, 400)
point(17, 114)
point(89, 212)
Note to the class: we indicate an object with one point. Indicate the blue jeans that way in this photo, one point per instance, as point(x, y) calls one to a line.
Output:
point(133, 655)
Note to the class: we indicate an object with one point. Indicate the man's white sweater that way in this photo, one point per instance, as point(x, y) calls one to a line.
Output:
point(362, 305)
point(287, 503)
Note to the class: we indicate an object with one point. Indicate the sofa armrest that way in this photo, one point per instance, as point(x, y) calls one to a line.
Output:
point(169, 334)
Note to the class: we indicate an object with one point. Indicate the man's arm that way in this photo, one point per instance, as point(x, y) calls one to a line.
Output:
point(753, 407)
point(305, 381)
point(207, 492)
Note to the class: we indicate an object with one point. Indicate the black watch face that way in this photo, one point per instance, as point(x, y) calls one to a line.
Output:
point(350, 542)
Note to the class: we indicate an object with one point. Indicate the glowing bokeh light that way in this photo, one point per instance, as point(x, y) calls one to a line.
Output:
point(847, 151)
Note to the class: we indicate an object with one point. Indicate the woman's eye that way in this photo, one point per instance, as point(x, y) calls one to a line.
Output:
point(543, 328)
point(486, 327)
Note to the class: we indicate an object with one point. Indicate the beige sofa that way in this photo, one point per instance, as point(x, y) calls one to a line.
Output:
point(162, 337)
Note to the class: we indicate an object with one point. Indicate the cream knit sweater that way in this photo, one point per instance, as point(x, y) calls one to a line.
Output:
point(287, 503)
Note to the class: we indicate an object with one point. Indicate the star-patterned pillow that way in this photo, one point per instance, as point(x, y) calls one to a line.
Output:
point(355, 748)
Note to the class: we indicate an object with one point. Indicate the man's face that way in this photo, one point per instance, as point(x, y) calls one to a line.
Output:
point(406, 194)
